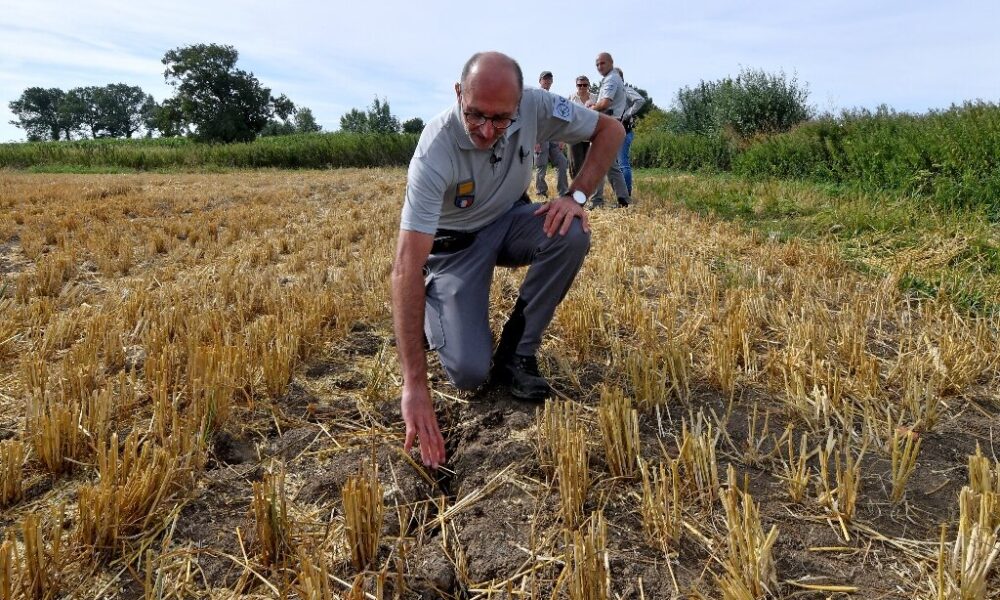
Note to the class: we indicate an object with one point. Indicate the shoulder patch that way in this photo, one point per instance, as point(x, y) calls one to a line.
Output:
point(562, 108)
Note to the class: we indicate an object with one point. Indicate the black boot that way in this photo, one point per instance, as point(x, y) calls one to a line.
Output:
point(526, 383)
point(511, 335)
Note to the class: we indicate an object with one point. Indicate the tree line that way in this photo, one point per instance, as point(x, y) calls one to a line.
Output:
point(213, 101)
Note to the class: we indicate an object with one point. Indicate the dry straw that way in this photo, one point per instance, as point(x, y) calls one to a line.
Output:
point(661, 505)
point(135, 483)
point(36, 572)
point(796, 468)
point(696, 456)
point(965, 574)
point(313, 582)
point(570, 454)
point(587, 574)
point(364, 508)
point(11, 471)
point(750, 570)
point(619, 424)
point(905, 446)
point(273, 526)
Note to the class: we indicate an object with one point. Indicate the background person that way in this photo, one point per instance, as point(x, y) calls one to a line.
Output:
point(466, 211)
point(578, 151)
point(549, 152)
point(634, 103)
point(611, 101)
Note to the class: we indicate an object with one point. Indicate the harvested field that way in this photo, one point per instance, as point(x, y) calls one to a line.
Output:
point(199, 398)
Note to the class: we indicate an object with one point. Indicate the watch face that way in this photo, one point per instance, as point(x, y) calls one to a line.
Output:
point(580, 197)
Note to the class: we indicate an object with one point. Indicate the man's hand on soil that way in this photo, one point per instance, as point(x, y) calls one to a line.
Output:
point(559, 215)
point(421, 422)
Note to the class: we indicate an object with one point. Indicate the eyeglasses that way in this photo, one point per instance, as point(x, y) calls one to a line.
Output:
point(583, 85)
point(476, 119)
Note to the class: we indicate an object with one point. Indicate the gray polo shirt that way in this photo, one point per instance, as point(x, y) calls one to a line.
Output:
point(613, 87)
point(453, 185)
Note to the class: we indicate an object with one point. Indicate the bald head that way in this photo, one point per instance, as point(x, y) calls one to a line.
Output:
point(492, 68)
point(488, 94)
point(604, 63)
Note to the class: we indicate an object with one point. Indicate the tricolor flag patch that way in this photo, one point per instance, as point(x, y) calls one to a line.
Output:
point(465, 194)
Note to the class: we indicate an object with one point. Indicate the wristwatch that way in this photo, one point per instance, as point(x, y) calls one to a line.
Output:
point(579, 197)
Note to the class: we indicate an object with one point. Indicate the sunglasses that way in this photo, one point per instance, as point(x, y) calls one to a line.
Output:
point(583, 85)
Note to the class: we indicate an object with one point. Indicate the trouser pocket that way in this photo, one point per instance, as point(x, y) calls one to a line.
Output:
point(433, 325)
point(449, 242)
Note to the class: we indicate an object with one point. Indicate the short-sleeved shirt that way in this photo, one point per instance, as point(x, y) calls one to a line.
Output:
point(453, 185)
point(613, 87)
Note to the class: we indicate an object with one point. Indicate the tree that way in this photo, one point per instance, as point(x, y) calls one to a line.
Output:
point(305, 122)
point(38, 113)
point(290, 120)
point(282, 107)
point(167, 118)
point(414, 125)
point(354, 121)
point(114, 110)
point(121, 109)
point(78, 110)
point(217, 101)
point(378, 119)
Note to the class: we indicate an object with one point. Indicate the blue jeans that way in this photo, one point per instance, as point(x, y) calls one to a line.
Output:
point(624, 162)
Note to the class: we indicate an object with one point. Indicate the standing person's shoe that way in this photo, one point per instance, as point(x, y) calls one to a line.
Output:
point(521, 372)
point(596, 203)
point(624, 203)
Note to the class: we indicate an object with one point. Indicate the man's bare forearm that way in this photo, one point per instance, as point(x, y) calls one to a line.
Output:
point(604, 146)
point(408, 298)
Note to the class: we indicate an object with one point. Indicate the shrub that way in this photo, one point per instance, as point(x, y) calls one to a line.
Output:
point(951, 155)
point(755, 102)
point(312, 151)
point(685, 151)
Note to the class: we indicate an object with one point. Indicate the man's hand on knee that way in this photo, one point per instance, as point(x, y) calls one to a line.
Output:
point(422, 423)
point(559, 215)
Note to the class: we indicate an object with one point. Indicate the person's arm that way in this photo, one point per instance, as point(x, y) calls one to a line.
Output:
point(602, 105)
point(604, 144)
point(635, 102)
point(408, 296)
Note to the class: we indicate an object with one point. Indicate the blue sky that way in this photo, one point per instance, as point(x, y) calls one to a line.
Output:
point(333, 56)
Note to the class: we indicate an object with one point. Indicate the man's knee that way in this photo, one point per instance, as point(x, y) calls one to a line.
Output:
point(469, 372)
point(576, 241)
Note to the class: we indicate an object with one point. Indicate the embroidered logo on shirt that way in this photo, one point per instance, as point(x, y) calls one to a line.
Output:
point(465, 194)
point(562, 108)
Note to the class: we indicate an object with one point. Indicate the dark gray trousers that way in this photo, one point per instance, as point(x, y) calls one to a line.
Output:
point(617, 180)
point(456, 319)
point(551, 154)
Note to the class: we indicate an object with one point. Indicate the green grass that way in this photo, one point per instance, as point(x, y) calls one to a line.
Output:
point(953, 253)
point(305, 151)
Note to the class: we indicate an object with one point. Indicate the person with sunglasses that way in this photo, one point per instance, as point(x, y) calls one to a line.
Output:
point(466, 211)
point(578, 151)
